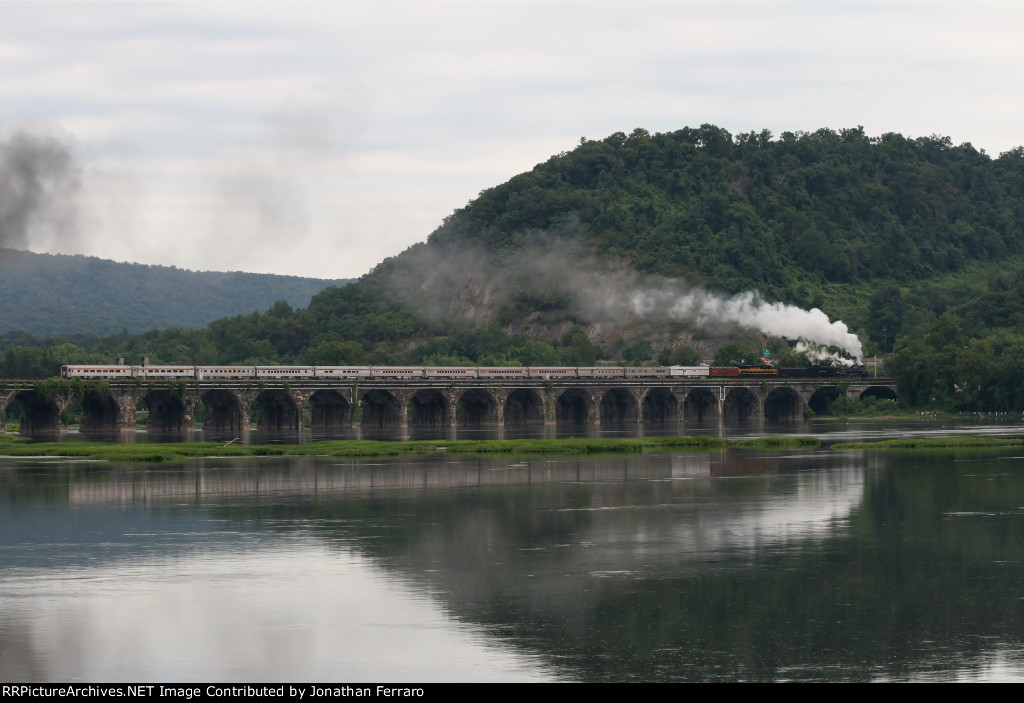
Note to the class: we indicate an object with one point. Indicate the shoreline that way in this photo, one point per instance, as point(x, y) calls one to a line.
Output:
point(14, 447)
point(158, 453)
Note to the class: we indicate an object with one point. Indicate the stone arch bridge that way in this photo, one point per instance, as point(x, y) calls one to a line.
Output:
point(280, 404)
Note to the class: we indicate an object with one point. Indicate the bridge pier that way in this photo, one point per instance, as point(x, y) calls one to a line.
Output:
point(5, 398)
point(500, 398)
point(549, 405)
point(451, 409)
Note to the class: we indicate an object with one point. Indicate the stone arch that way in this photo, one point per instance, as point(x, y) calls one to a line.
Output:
point(278, 410)
point(167, 411)
point(39, 414)
point(428, 408)
point(700, 406)
point(380, 409)
point(523, 406)
point(224, 411)
point(329, 410)
point(740, 405)
point(573, 407)
point(660, 405)
point(783, 404)
point(619, 405)
point(100, 412)
point(477, 407)
point(823, 397)
point(879, 392)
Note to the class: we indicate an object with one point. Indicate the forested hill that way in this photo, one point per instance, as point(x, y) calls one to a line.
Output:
point(885, 232)
point(775, 214)
point(46, 294)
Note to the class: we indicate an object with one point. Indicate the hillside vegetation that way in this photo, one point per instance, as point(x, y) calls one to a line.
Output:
point(45, 294)
point(917, 243)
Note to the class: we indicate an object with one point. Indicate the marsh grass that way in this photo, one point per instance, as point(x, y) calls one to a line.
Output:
point(934, 443)
point(361, 448)
point(776, 443)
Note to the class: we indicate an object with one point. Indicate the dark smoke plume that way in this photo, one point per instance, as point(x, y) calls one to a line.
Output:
point(38, 182)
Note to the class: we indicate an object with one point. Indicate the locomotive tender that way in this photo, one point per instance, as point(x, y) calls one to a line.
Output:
point(205, 373)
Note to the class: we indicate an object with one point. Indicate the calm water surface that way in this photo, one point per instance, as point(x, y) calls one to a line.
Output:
point(728, 565)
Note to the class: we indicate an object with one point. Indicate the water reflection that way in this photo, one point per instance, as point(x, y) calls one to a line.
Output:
point(288, 611)
point(828, 431)
point(724, 565)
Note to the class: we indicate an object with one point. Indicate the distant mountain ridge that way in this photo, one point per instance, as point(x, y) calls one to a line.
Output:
point(52, 294)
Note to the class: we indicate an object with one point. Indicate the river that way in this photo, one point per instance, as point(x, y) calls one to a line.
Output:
point(736, 565)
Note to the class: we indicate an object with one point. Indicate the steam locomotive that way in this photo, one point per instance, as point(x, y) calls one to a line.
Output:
point(203, 373)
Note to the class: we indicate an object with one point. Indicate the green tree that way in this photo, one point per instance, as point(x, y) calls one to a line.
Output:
point(735, 354)
point(334, 353)
point(925, 368)
point(915, 368)
point(580, 351)
point(885, 316)
point(639, 352)
point(684, 355)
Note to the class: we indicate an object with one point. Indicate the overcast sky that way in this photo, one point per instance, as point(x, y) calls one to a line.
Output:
point(319, 138)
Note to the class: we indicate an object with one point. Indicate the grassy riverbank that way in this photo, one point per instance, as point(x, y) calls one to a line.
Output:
point(355, 449)
point(934, 443)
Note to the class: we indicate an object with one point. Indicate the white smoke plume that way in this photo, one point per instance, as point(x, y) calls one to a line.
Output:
point(749, 311)
point(464, 280)
point(817, 353)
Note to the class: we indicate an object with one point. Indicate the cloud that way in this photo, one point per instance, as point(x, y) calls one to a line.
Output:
point(410, 109)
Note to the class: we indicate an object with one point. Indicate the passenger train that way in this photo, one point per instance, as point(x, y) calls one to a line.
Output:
point(204, 373)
